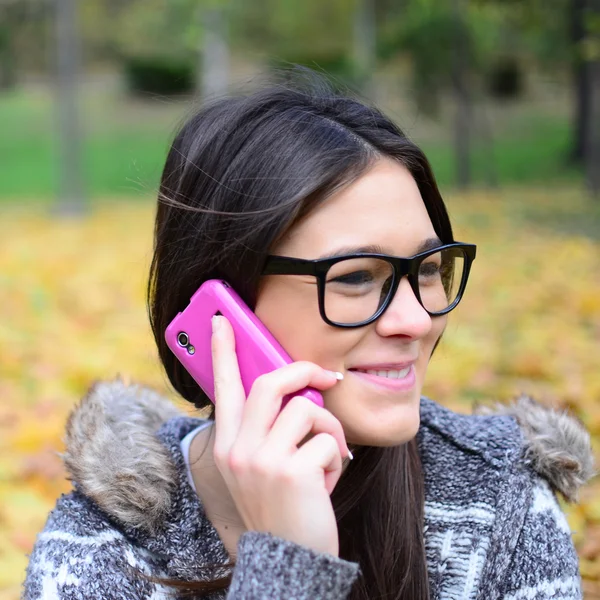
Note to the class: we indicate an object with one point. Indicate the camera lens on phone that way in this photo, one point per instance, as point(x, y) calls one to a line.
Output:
point(183, 339)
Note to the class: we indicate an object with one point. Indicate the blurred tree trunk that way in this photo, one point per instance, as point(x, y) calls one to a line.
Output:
point(71, 195)
point(213, 75)
point(581, 81)
point(462, 94)
point(365, 40)
point(486, 135)
point(8, 72)
point(592, 147)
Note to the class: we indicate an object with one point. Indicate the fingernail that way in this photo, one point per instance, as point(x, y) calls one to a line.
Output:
point(216, 323)
point(350, 455)
point(339, 376)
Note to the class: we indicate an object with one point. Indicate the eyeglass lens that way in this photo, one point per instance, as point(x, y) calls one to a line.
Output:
point(356, 288)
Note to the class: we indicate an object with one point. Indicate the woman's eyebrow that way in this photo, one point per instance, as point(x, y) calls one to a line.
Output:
point(428, 244)
point(377, 249)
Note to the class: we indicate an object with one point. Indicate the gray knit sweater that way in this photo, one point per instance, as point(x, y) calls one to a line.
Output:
point(493, 527)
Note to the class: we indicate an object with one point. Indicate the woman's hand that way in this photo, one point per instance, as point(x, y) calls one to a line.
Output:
point(276, 486)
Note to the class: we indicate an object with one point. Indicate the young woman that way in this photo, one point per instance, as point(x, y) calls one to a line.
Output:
point(328, 222)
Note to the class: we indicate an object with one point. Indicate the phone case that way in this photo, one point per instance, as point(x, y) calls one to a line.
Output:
point(257, 350)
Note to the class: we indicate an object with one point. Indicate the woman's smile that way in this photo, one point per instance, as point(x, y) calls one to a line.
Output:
point(393, 380)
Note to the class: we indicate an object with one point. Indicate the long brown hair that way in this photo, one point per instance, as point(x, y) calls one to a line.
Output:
point(239, 174)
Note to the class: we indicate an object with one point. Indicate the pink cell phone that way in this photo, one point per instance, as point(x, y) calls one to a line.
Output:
point(189, 338)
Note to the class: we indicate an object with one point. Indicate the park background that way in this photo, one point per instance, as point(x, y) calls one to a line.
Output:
point(503, 95)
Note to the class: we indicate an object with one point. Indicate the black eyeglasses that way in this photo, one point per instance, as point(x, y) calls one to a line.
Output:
point(354, 290)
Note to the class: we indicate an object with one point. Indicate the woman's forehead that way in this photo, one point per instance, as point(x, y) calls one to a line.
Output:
point(381, 208)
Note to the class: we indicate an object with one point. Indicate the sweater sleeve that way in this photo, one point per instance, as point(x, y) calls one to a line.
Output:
point(544, 565)
point(77, 557)
point(271, 567)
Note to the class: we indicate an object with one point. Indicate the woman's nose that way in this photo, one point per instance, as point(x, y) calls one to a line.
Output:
point(404, 315)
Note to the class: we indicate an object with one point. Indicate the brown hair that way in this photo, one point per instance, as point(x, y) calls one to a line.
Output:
point(239, 174)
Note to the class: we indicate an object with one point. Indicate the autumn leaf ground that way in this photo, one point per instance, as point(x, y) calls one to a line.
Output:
point(72, 302)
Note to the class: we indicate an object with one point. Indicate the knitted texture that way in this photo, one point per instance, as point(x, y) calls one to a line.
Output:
point(493, 527)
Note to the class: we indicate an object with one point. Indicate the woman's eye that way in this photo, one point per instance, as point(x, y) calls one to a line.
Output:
point(429, 269)
point(355, 278)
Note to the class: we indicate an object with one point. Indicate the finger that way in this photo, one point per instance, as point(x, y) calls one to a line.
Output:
point(230, 396)
point(321, 452)
point(298, 419)
point(265, 398)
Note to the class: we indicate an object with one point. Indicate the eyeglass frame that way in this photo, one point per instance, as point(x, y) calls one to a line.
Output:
point(401, 267)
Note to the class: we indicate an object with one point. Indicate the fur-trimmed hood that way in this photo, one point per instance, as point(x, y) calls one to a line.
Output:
point(557, 445)
point(115, 458)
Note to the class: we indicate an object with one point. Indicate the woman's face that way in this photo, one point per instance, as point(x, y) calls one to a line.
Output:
point(383, 207)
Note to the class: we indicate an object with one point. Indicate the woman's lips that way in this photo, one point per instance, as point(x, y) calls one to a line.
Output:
point(398, 366)
point(406, 383)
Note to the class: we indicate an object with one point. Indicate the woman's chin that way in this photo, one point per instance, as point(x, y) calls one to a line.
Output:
point(386, 429)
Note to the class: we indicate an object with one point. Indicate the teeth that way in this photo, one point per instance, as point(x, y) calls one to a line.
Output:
point(391, 374)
